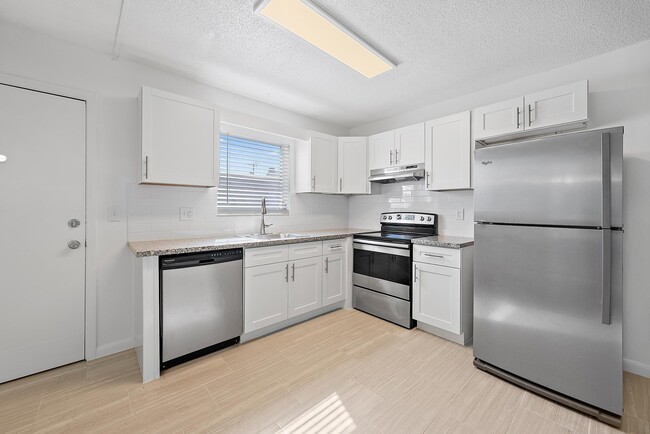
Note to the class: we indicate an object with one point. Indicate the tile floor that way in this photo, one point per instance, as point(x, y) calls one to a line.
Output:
point(341, 372)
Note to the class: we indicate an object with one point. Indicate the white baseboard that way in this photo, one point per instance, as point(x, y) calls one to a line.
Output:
point(636, 367)
point(114, 347)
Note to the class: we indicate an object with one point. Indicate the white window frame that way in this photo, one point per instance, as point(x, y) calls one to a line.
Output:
point(265, 137)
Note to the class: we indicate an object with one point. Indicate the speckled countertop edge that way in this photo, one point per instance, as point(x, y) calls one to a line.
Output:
point(204, 244)
point(446, 241)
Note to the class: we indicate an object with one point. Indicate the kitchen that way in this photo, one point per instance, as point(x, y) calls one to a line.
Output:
point(38, 54)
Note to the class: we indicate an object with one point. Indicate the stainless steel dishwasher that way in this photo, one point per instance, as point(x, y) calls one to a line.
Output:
point(201, 304)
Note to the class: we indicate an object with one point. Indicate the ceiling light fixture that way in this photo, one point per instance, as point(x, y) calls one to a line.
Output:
point(305, 19)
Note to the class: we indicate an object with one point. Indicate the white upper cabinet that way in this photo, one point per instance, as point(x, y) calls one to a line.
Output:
point(505, 117)
point(409, 145)
point(353, 165)
point(448, 152)
point(562, 105)
point(316, 164)
point(397, 147)
point(180, 140)
point(382, 150)
point(550, 110)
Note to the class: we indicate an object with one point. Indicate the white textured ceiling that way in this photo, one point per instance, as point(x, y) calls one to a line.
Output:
point(444, 48)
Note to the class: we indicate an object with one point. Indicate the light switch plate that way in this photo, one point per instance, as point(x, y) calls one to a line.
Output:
point(114, 214)
point(460, 214)
point(187, 213)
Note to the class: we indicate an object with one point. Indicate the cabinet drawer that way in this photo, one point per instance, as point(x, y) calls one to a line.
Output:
point(334, 246)
point(437, 256)
point(305, 250)
point(265, 255)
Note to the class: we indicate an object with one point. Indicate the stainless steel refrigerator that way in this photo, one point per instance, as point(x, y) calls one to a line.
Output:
point(548, 267)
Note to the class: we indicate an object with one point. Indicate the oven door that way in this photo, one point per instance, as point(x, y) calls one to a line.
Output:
point(383, 267)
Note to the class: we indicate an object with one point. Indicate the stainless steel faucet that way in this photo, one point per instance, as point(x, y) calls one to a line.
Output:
point(262, 225)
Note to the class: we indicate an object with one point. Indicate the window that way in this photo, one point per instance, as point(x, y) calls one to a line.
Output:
point(250, 170)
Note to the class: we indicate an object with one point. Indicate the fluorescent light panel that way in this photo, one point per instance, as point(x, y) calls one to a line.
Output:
point(311, 23)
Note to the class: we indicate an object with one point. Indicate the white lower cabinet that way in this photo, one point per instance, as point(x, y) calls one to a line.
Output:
point(436, 296)
point(334, 278)
point(286, 281)
point(265, 295)
point(305, 285)
point(443, 294)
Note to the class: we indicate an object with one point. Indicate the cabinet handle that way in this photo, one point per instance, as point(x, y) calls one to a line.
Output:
point(313, 183)
point(431, 255)
point(427, 179)
point(340, 185)
point(415, 273)
point(391, 156)
point(146, 167)
point(286, 272)
point(396, 156)
point(530, 114)
point(335, 246)
point(293, 272)
point(327, 265)
point(518, 113)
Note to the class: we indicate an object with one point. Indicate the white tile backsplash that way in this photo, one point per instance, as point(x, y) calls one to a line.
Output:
point(412, 196)
point(153, 213)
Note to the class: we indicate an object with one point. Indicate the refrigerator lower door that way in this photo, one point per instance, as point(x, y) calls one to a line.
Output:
point(565, 180)
point(540, 304)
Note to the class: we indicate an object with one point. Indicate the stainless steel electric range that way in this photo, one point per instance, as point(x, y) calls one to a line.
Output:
point(382, 266)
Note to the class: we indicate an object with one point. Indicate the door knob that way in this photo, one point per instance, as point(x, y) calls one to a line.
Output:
point(74, 223)
point(74, 244)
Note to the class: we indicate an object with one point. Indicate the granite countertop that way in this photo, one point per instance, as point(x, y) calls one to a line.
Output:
point(444, 241)
point(190, 245)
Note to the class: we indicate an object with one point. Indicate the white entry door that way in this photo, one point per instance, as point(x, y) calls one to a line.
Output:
point(42, 189)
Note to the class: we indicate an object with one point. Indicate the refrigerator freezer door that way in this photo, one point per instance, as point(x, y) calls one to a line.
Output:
point(538, 308)
point(560, 180)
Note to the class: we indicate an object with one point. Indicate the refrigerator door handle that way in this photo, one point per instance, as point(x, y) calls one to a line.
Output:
point(607, 277)
point(607, 181)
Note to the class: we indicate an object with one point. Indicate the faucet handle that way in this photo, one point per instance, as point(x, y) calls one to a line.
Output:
point(268, 226)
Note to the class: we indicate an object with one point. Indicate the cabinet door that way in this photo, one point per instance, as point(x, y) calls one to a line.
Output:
point(265, 295)
point(436, 296)
point(305, 285)
point(323, 163)
point(180, 140)
point(382, 150)
point(561, 105)
point(353, 165)
point(504, 117)
point(333, 278)
point(448, 152)
point(409, 144)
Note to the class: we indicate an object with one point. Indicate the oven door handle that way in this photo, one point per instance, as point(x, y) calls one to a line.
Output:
point(379, 248)
point(382, 243)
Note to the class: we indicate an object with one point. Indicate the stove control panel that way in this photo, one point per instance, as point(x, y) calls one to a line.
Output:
point(409, 218)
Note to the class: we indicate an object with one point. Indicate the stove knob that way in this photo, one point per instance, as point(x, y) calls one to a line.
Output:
point(428, 219)
point(383, 218)
point(399, 217)
point(390, 217)
point(422, 218)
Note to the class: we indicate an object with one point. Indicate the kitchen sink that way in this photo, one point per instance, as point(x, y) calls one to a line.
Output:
point(272, 236)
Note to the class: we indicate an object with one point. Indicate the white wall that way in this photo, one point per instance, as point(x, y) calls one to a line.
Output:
point(117, 84)
point(619, 94)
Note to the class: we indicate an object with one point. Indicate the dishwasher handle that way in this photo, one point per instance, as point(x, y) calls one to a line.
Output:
point(170, 262)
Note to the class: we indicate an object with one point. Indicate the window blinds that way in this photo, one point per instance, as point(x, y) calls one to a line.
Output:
point(249, 171)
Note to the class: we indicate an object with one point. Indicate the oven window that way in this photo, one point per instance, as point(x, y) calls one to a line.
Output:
point(393, 268)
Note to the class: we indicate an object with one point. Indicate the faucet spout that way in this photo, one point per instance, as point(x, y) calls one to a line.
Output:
point(263, 226)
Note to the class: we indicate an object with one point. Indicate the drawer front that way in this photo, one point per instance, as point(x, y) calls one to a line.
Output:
point(437, 256)
point(334, 246)
point(305, 250)
point(265, 255)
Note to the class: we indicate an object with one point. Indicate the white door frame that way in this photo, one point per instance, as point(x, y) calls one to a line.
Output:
point(90, 339)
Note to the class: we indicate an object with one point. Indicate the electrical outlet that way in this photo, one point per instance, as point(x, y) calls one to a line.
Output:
point(460, 214)
point(114, 214)
point(187, 214)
